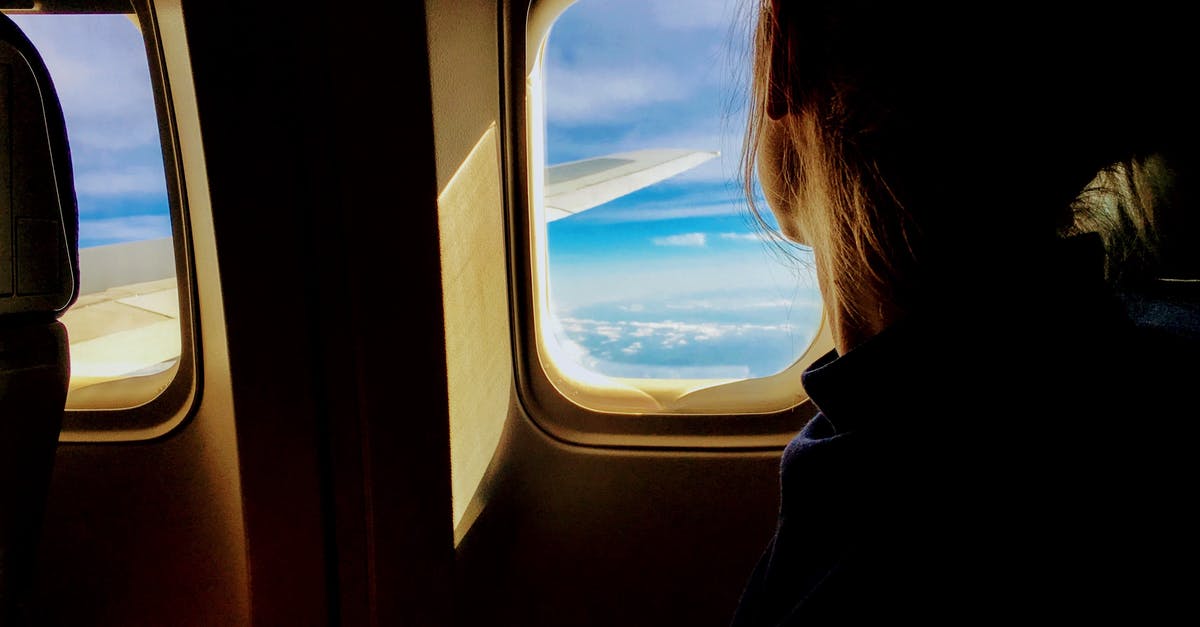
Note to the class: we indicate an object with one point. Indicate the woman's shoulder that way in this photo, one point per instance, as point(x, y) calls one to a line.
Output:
point(817, 456)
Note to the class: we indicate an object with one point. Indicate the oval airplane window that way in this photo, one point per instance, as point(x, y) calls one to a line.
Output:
point(125, 329)
point(657, 286)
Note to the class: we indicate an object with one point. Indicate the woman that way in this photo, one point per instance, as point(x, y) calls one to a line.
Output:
point(995, 440)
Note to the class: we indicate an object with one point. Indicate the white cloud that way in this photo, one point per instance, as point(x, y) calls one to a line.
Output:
point(655, 371)
point(612, 57)
point(683, 239)
point(646, 348)
point(651, 213)
point(724, 305)
point(609, 331)
point(674, 341)
point(100, 73)
point(130, 181)
point(587, 95)
point(97, 62)
point(116, 136)
point(127, 229)
point(668, 330)
point(571, 325)
point(696, 14)
point(745, 237)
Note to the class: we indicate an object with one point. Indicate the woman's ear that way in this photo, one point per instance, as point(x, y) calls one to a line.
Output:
point(778, 103)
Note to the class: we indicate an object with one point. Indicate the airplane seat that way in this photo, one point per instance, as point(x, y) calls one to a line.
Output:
point(39, 275)
point(1168, 300)
point(1144, 213)
point(1168, 307)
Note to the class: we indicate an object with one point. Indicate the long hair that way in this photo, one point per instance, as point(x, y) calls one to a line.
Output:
point(861, 230)
point(927, 149)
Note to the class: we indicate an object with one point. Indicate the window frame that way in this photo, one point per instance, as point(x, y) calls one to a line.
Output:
point(674, 417)
point(178, 400)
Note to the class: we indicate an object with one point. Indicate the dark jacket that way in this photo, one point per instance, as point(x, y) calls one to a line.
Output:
point(1008, 456)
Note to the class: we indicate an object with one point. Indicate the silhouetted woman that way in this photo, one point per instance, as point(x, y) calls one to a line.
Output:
point(995, 439)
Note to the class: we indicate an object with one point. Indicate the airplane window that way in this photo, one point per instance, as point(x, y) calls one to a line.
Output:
point(124, 329)
point(655, 270)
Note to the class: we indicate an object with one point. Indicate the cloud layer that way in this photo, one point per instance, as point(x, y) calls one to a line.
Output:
point(102, 231)
point(734, 334)
point(683, 239)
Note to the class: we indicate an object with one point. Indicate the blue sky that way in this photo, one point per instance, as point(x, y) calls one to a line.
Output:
point(672, 280)
point(98, 65)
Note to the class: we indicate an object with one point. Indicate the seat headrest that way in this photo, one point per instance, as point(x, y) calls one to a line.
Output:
point(39, 218)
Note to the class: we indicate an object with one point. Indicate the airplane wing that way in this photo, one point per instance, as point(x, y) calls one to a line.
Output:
point(124, 327)
point(577, 186)
point(121, 333)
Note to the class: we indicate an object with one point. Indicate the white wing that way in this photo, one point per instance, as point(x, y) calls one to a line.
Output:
point(580, 185)
point(125, 324)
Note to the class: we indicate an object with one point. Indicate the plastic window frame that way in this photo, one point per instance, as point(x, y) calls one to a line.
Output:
point(751, 414)
point(176, 403)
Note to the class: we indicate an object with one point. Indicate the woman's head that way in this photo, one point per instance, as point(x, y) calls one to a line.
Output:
point(917, 149)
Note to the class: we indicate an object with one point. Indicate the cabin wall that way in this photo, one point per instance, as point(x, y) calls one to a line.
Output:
point(151, 532)
point(464, 78)
point(582, 536)
point(311, 483)
point(555, 533)
point(346, 237)
point(318, 134)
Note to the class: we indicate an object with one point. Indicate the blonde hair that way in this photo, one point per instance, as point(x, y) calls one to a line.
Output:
point(866, 248)
point(912, 175)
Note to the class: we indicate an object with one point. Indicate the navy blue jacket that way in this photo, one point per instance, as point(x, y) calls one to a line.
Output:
point(1008, 457)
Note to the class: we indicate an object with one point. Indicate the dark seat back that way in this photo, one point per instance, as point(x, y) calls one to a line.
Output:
point(39, 275)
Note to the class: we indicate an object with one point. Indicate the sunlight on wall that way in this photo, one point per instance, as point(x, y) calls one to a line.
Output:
point(474, 288)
